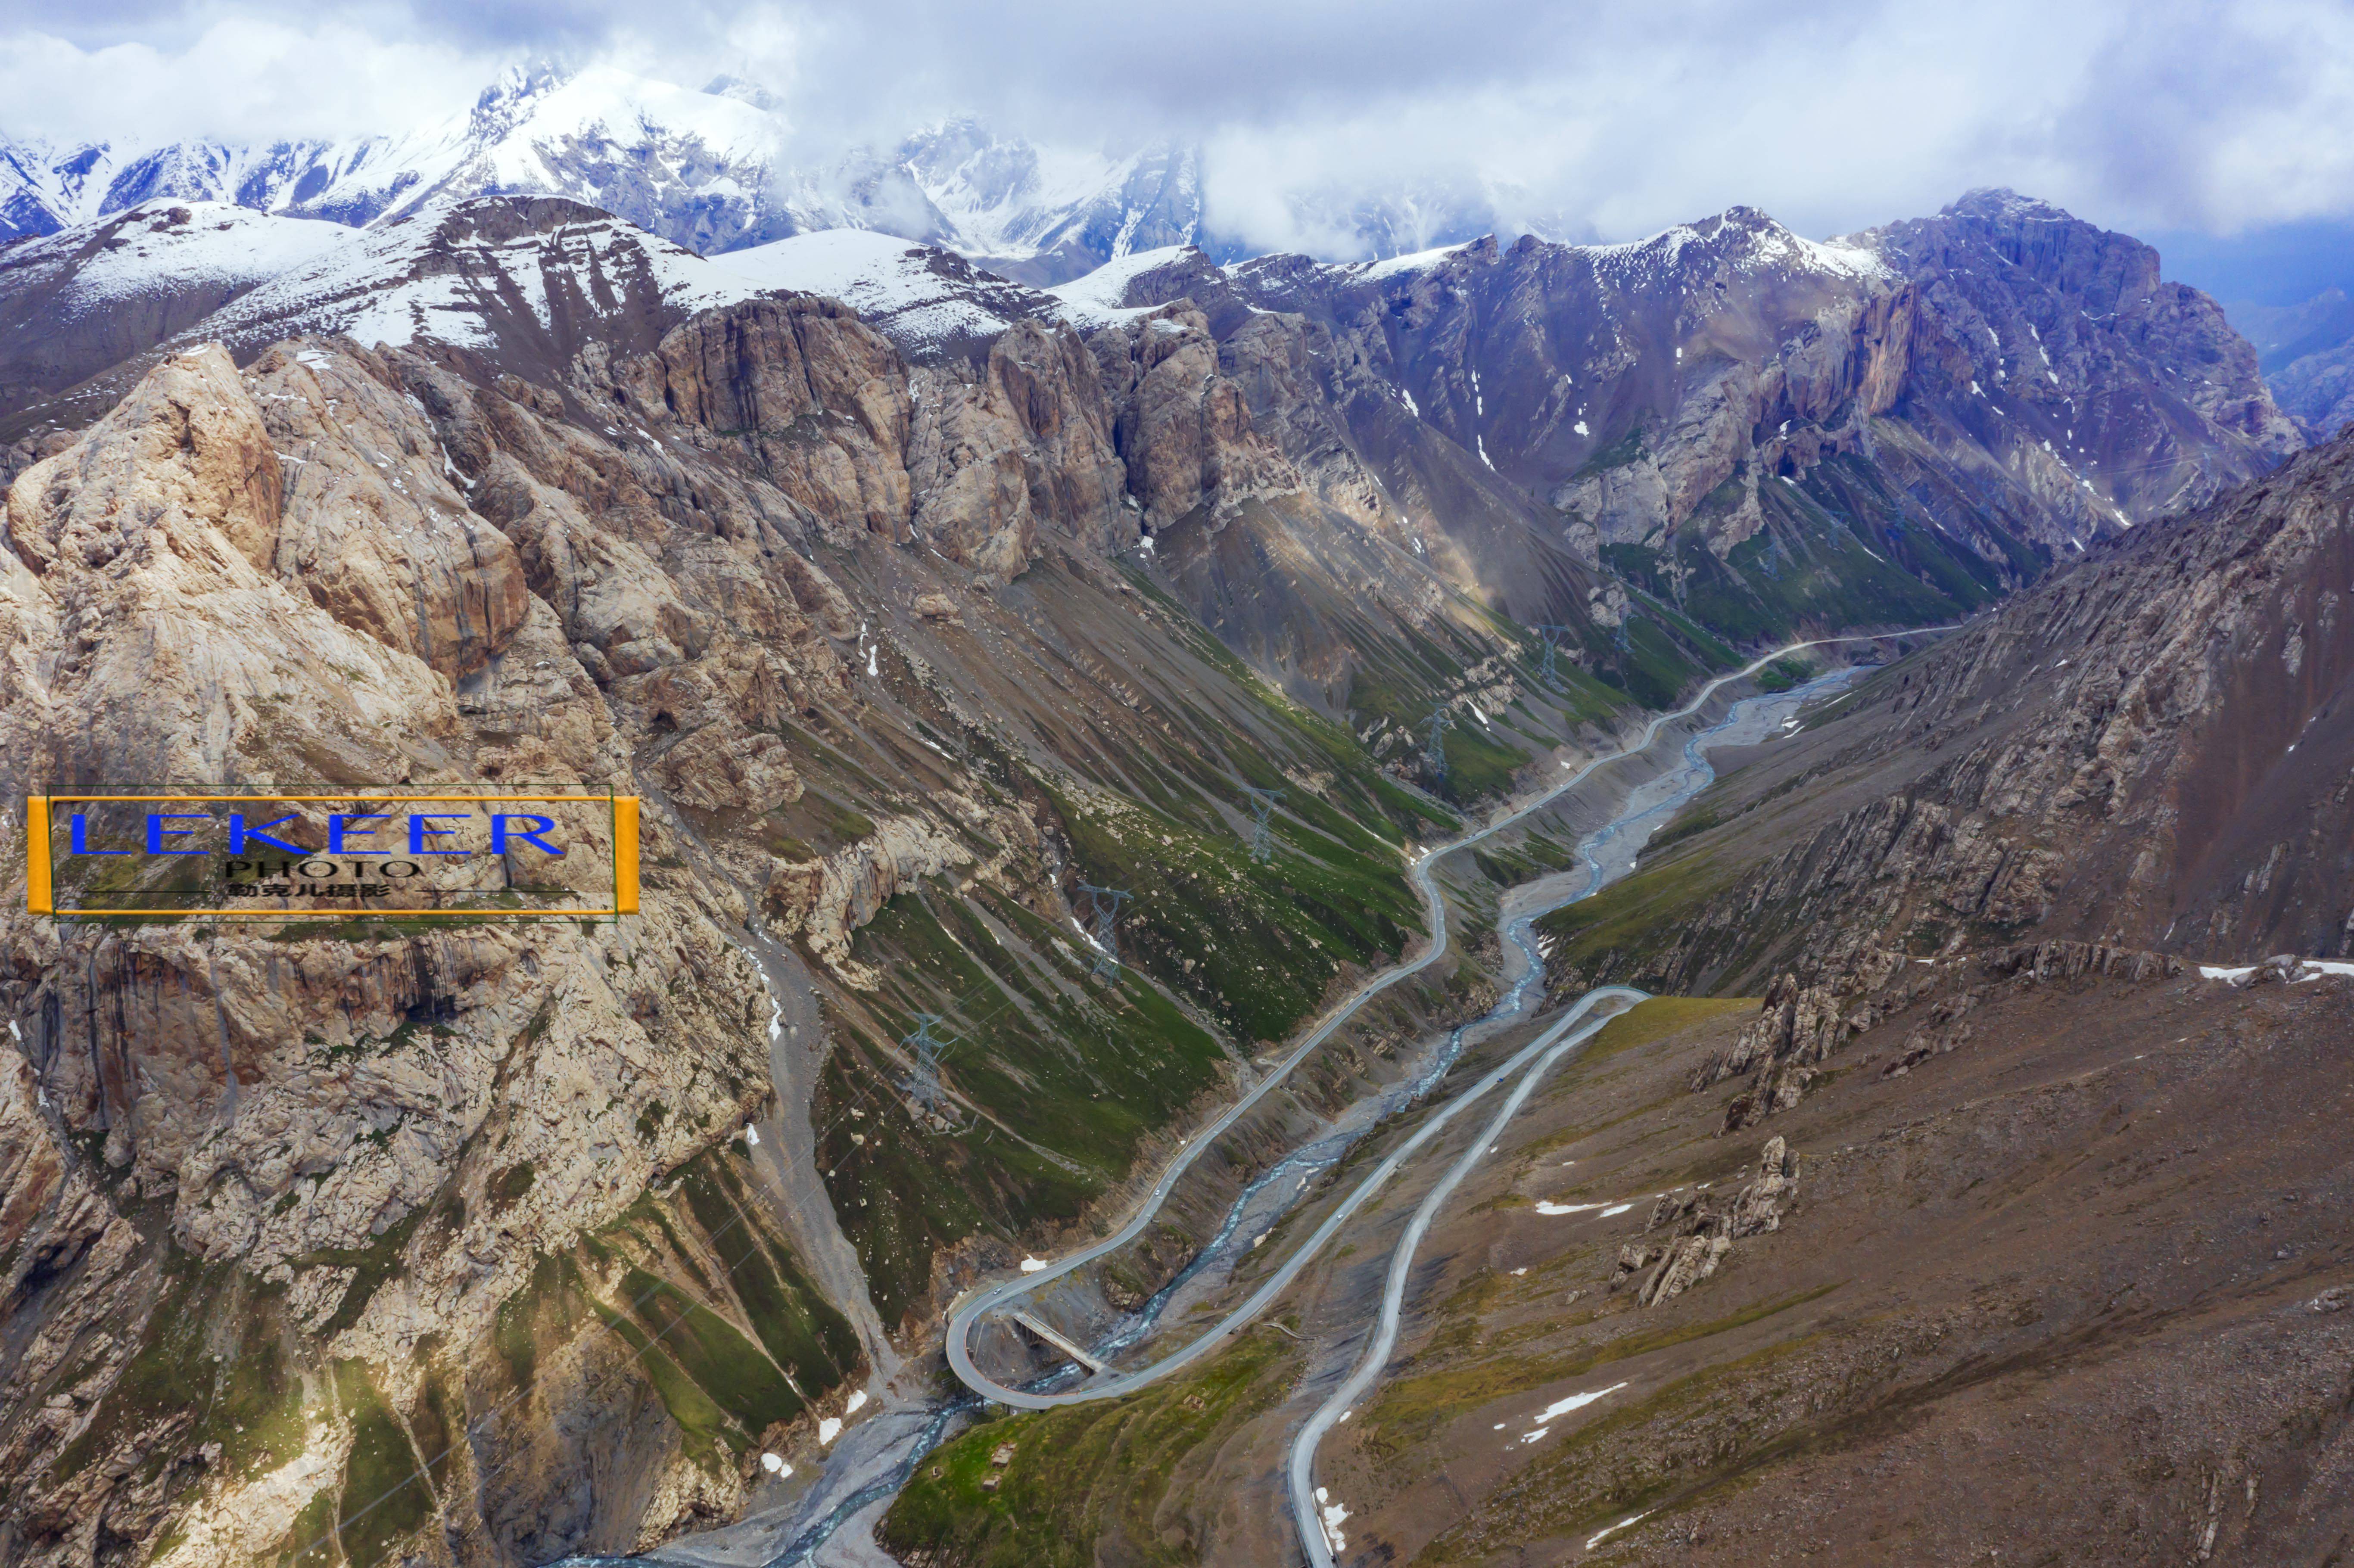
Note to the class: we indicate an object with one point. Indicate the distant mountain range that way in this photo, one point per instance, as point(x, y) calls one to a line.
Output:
point(2306, 353)
point(709, 170)
point(1724, 432)
point(721, 169)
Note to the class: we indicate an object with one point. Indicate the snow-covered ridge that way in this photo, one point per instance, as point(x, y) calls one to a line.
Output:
point(1829, 255)
point(168, 247)
point(922, 298)
point(1394, 266)
point(530, 133)
point(456, 271)
point(862, 269)
point(1095, 299)
point(436, 275)
point(451, 271)
point(1746, 240)
point(716, 169)
point(600, 135)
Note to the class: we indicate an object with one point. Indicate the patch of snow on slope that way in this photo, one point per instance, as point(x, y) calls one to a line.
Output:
point(395, 284)
point(1395, 266)
point(1094, 299)
point(1561, 1407)
point(1332, 1515)
point(1607, 1532)
point(150, 253)
point(1851, 260)
point(912, 292)
point(1834, 256)
point(2307, 969)
point(864, 270)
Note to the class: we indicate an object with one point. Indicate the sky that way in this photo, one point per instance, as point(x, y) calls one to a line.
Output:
point(2225, 126)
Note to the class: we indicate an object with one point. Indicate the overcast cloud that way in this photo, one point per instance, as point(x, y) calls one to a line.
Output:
point(1588, 121)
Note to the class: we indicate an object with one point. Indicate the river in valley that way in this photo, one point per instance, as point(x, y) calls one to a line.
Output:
point(830, 1524)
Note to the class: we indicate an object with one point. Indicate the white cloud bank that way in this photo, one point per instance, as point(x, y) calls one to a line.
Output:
point(1582, 121)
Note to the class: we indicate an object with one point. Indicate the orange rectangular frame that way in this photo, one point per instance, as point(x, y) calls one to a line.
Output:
point(40, 871)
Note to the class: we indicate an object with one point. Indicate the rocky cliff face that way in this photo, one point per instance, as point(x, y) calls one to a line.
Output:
point(1749, 431)
point(390, 1235)
point(2151, 750)
point(264, 1124)
point(2047, 307)
point(1724, 433)
point(2304, 352)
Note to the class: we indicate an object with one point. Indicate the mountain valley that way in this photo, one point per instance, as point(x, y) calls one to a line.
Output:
point(1126, 728)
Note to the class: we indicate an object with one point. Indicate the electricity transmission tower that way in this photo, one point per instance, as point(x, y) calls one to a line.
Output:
point(923, 1081)
point(1434, 755)
point(1548, 667)
point(1103, 909)
point(1262, 801)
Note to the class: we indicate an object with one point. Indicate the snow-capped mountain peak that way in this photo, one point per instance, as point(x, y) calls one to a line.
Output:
point(508, 99)
point(704, 168)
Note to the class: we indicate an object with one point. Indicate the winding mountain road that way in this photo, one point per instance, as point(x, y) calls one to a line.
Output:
point(977, 1304)
point(1300, 1471)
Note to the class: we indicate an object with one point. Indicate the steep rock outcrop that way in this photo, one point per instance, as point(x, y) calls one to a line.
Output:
point(2001, 272)
point(159, 516)
point(976, 460)
point(371, 525)
point(2149, 751)
point(1798, 1027)
point(821, 398)
point(184, 609)
point(1701, 1229)
point(824, 901)
point(1184, 429)
point(1024, 443)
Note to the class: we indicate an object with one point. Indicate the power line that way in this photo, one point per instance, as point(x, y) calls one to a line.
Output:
point(923, 1080)
point(1434, 753)
point(611, 1327)
point(1548, 662)
point(1103, 908)
point(1262, 802)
